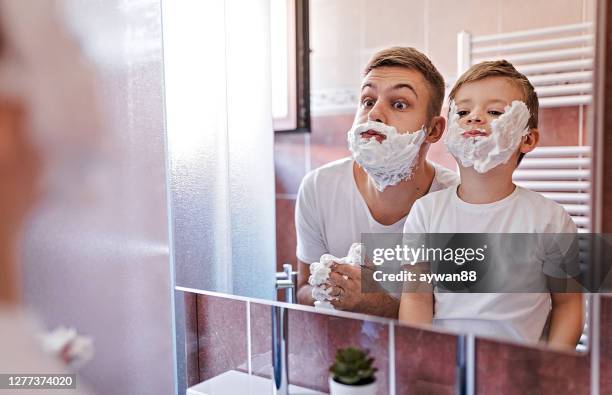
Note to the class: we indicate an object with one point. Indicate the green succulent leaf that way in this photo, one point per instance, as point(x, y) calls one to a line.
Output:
point(353, 366)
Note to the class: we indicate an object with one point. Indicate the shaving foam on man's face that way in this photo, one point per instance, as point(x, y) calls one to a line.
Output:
point(389, 161)
point(385, 139)
point(486, 145)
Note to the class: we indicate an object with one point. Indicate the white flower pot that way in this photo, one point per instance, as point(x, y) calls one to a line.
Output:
point(336, 388)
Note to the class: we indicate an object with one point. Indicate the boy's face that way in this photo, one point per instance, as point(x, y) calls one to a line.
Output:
point(481, 102)
point(396, 96)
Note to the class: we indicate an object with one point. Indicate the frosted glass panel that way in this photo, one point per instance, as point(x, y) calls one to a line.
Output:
point(220, 145)
point(96, 253)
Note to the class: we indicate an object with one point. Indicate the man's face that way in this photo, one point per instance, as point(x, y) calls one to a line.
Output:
point(395, 96)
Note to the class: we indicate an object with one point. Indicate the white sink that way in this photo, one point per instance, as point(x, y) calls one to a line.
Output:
point(233, 382)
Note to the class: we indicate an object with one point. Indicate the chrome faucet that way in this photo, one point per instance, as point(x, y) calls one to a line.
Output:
point(287, 280)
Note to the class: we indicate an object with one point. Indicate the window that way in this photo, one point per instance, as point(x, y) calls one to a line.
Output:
point(290, 65)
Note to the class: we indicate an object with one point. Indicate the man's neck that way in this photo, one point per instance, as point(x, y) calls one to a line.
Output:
point(489, 187)
point(394, 203)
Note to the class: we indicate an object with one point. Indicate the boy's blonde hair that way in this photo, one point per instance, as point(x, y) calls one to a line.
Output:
point(412, 59)
point(502, 68)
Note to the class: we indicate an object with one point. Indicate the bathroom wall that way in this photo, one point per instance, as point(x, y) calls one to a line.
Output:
point(344, 33)
point(235, 334)
point(411, 361)
point(229, 331)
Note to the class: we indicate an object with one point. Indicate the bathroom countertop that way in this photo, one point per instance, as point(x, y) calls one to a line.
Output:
point(233, 382)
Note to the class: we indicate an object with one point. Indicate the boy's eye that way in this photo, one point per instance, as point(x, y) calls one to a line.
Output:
point(399, 105)
point(462, 113)
point(367, 102)
point(495, 113)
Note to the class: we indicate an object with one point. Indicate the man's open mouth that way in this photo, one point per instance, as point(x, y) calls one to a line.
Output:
point(372, 133)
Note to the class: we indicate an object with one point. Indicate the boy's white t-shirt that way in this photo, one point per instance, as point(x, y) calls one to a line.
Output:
point(331, 214)
point(517, 316)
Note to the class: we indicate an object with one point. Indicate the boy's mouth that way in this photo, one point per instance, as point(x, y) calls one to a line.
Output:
point(474, 133)
point(368, 134)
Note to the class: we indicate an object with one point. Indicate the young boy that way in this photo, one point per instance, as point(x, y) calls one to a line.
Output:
point(493, 122)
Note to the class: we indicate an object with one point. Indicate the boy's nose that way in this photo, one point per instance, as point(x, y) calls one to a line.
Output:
point(475, 119)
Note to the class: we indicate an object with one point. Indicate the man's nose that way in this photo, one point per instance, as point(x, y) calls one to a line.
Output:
point(376, 114)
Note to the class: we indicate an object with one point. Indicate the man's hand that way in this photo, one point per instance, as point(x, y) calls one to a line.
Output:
point(345, 281)
point(346, 286)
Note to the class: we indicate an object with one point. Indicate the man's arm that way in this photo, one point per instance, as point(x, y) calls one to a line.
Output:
point(304, 290)
point(565, 320)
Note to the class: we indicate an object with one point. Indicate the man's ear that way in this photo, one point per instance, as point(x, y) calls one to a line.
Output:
point(436, 130)
point(530, 141)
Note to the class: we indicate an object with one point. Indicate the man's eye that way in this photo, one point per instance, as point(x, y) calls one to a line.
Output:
point(495, 113)
point(367, 102)
point(462, 113)
point(399, 105)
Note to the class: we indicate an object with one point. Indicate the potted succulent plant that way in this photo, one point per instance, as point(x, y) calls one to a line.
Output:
point(352, 373)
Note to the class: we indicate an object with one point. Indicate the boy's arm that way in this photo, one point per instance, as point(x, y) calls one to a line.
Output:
point(417, 301)
point(416, 308)
point(566, 320)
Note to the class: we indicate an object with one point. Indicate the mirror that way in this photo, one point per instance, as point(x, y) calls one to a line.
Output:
point(230, 222)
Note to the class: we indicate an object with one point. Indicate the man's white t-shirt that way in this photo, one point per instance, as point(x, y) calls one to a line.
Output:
point(331, 214)
point(517, 316)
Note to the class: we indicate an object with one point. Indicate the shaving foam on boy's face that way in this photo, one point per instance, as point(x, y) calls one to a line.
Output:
point(491, 147)
point(387, 156)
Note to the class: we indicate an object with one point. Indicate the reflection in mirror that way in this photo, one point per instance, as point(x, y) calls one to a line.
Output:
point(546, 153)
point(389, 155)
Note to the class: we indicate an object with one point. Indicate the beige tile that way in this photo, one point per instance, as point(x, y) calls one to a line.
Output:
point(446, 18)
point(534, 14)
point(335, 27)
point(393, 22)
point(335, 72)
point(336, 34)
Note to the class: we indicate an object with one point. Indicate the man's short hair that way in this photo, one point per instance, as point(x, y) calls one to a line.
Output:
point(412, 59)
point(502, 68)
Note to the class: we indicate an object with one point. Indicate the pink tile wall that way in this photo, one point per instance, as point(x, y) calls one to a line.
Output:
point(424, 361)
point(313, 340)
point(285, 233)
point(559, 126)
point(191, 339)
point(511, 369)
point(222, 335)
point(289, 161)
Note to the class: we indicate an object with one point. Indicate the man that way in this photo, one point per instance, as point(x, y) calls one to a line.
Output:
point(39, 134)
point(373, 191)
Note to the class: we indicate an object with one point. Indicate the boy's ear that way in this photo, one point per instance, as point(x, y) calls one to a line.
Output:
point(530, 141)
point(437, 129)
